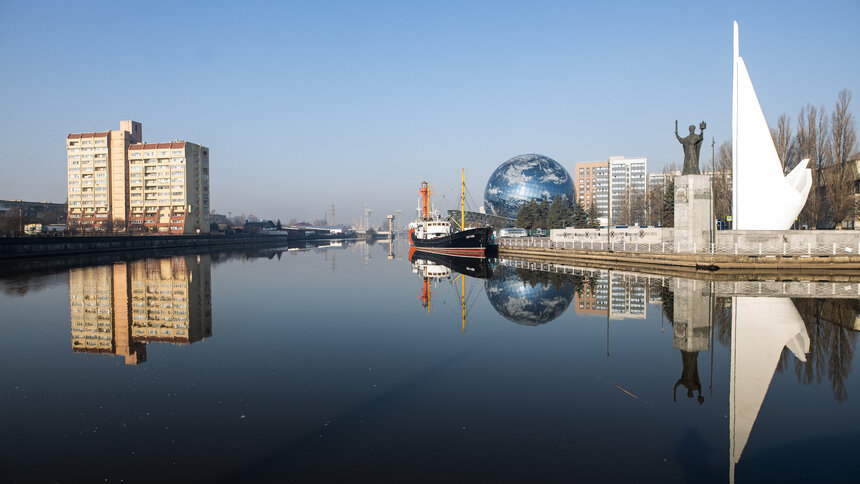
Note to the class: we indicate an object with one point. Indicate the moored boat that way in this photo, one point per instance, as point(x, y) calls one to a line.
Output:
point(431, 233)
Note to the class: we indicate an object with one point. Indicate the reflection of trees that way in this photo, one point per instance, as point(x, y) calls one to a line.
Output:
point(667, 297)
point(557, 280)
point(830, 325)
point(723, 320)
point(21, 284)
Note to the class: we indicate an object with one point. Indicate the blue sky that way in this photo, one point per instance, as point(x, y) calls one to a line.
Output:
point(304, 104)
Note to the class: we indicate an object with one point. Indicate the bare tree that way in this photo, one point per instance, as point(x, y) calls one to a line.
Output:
point(812, 142)
point(654, 202)
point(722, 170)
point(784, 141)
point(631, 207)
point(840, 180)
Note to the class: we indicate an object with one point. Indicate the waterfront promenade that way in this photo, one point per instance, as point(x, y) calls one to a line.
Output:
point(713, 260)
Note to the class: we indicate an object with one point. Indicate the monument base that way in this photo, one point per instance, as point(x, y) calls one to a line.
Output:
point(693, 216)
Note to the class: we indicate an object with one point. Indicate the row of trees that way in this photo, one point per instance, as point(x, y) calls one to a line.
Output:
point(829, 140)
point(557, 214)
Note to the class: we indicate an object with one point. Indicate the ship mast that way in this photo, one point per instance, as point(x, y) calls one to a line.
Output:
point(463, 199)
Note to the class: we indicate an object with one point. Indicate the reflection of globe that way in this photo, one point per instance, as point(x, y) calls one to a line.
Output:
point(523, 178)
point(523, 303)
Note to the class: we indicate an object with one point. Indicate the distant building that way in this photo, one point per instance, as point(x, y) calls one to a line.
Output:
point(35, 212)
point(115, 182)
point(625, 193)
point(627, 189)
point(260, 225)
point(662, 180)
point(591, 179)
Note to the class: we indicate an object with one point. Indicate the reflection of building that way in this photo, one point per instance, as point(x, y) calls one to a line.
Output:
point(118, 309)
point(624, 293)
point(592, 299)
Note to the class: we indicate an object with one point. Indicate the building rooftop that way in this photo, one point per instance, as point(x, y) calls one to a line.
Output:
point(157, 146)
point(98, 134)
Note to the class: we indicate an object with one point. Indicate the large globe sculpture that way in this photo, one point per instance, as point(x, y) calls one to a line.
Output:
point(524, 303)
point(523, 178)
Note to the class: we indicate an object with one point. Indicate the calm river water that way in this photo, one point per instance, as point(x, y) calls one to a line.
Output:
point(351, 363)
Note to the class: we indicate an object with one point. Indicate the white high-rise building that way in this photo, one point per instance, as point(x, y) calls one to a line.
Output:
point(618, 185)
point(627, 189)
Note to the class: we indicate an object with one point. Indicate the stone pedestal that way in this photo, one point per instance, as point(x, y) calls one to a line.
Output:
point(691, 311)
point(692, 212)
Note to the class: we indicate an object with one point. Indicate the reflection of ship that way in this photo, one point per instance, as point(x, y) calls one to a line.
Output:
point(433, 233)
point(477, 267)
point(118, 309)
point(761, 328)
point(434, 267)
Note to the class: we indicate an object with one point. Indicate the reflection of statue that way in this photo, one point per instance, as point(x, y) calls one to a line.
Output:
point(690, 375)
point(692, 147)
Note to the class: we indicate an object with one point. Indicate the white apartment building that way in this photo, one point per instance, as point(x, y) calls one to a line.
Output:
point(118, 183)
point(627, 189)
point(169, 187)
point(628, 185)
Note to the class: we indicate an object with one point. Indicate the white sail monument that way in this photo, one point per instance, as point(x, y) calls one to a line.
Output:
point(763, 198)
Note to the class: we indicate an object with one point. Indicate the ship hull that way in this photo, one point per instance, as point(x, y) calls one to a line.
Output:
point(466, 243)
point(477, 267)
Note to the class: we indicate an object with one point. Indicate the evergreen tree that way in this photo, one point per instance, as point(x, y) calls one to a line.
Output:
point(559, 213)
point(576, 216)
point(542, 215)
point(593, 217)
point(278, 225)
point(668, 210)
point(526, 215)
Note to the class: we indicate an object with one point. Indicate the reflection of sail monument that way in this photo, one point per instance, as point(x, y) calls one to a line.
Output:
point(763, 198)
point(761, 328)
point(117, 309)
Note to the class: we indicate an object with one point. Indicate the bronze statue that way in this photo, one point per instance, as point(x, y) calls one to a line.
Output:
point(692, 147)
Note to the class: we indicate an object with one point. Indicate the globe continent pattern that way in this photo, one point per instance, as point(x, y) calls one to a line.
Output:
point(523, 178)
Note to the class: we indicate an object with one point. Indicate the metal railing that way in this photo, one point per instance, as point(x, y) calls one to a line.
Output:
point(755, 249)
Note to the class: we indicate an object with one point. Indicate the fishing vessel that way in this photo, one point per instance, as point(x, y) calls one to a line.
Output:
point(432, 233)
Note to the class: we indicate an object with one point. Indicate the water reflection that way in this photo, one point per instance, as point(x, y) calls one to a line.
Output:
point(434, 268)
point(732, 338)
point(530, 297)
point(761, 328)
point(692, 324)
point(119, 308)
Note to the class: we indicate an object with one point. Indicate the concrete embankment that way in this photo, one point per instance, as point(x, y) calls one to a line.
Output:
point(27, 247)
point(690, 265)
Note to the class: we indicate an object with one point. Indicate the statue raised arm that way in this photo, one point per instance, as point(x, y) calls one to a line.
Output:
point(692, 146)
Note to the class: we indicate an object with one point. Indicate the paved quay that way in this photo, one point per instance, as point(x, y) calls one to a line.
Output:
point(698, 265)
